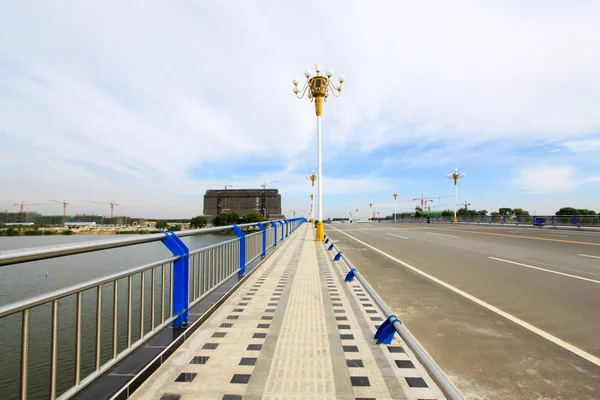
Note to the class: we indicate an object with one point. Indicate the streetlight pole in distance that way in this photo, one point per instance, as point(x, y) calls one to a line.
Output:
point(370, 211)
point(395, 194)
point(319, 87)
point(456, 176)
point(312, 177)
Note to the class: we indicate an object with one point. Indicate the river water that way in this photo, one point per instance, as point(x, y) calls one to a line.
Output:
point(22, 281)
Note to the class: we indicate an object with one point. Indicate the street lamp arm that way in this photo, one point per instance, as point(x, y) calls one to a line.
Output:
point(334, 90)
point(300, 93)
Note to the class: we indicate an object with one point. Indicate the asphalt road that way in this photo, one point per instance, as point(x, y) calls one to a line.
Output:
point(507, 312)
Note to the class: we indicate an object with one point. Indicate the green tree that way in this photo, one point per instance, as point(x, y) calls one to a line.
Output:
point(225, 219)
point(418, 212)
point(575, 211)
point(252, 217)
point(505, 211)
point(520, 211)
point(482, 212)
point(162, 224)
point(494, 213)
point(198, 222)
point(447, 213)
point(176, 227)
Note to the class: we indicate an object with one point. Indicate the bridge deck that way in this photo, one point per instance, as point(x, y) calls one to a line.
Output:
point(294, 330)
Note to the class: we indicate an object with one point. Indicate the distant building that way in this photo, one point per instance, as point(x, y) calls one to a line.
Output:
point(243, 201)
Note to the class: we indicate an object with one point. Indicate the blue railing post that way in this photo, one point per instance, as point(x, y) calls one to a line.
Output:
point(503, 220)
point(518, 219)
point(181, 272)
point(282, 229)
point(240, 233)
point(274, 225)
point(492, 220)
point(264, 238)
point(287, 227)
point(575, 220)
point(553, 220)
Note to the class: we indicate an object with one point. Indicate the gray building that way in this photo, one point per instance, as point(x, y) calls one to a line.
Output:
point(266, 202)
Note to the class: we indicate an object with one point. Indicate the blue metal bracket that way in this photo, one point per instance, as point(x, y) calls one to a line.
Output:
point(274, 225)
point(350, 275)
point(281, 223)
point(240, 233)
point(330, 247)
point(337, 256)
point(264, 238)
point(181, 273)
point(326, 240)
point(386, 331)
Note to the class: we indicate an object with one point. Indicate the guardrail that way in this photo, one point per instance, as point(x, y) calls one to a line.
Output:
point(391, 325)
point(554, 220)
point(150, 291)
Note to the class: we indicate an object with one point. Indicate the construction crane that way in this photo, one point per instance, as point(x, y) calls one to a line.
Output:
point(22, 205)
point(424, 200)
point(264, 197)
point(225, 185)
point(112, 205)
point(64, 203)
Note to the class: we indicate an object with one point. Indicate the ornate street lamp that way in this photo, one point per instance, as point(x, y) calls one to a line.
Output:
point(318, 88)
point(312, 177)
point(395, 194)
point(456, 176)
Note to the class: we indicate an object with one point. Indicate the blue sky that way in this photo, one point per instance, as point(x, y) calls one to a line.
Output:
point(151, 103)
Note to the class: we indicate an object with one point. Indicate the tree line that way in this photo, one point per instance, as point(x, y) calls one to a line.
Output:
point(515, 212)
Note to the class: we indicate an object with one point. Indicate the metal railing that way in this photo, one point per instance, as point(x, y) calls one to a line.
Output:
point(392, 325)
point(129, 307)
point(534, 220)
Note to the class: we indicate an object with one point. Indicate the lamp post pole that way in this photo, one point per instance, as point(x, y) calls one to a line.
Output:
point(356, 215)
point(318, 88)
point(455, 176)
point(312, 177)
point(370, 211)
point(395, 194)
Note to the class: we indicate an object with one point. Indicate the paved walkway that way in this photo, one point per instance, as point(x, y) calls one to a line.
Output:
point(295, 330)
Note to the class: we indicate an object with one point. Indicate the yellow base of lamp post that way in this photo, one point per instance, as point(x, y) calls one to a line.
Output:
point(312, 222)
point(320, 232)
point(455, 219)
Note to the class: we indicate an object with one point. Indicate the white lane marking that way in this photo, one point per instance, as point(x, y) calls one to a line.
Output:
point(565, 345)
point(398, 236)
point(546, 270)
point(587, 255)
point(441, 234)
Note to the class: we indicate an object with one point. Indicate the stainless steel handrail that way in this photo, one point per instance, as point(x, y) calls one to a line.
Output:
point(431, 366)
point(44, 253)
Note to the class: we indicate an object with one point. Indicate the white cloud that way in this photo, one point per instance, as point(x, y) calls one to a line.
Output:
point(550, 179)
point(582, 146)
point(146, 91)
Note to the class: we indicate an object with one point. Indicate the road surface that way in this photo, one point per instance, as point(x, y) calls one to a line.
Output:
point(507, 312)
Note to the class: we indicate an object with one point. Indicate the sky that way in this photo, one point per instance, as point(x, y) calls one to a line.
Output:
point(150, 103)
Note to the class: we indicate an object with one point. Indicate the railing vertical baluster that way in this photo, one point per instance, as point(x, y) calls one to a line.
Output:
point(152, 302)
point(98, 325)
point(24, 353)
point(54, 349)
point(129, 284)
point(142, 298)
point(172, 270)
point(162, 293)
point(115, 317)
point(193, 276)
point(78, 340)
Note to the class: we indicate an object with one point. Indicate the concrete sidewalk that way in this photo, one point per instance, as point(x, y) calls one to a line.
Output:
point(294, 330)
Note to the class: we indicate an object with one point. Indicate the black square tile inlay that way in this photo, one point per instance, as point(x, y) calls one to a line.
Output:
point(210, 346)
point(219, 334)
point(266, 318)
point(247, 298)
point(275, 298)
point(272, 304)
point(416, 382)
point(365, 398)
point(341, 318)
point(376, 319)
point(367, 305)
point(240, 378)
point(225, 325)
point(343, 326)
point(395, 349)
point(371, 311)
point(238, 310)
point(248, 361)
point(350, 349)
point(232, 397)
point(270, 310)
point(264, 326)
point(242, 304)
point(233, 316)
point(337, 305)
point(259, 336)
point(199, 360)
point(360, 381)
point(254, 347)
point(186, 377)
point(347, 336)
point(339, 311)
point(354, 363)
point(404, 363)
point(335, 298)
point(170, 396)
